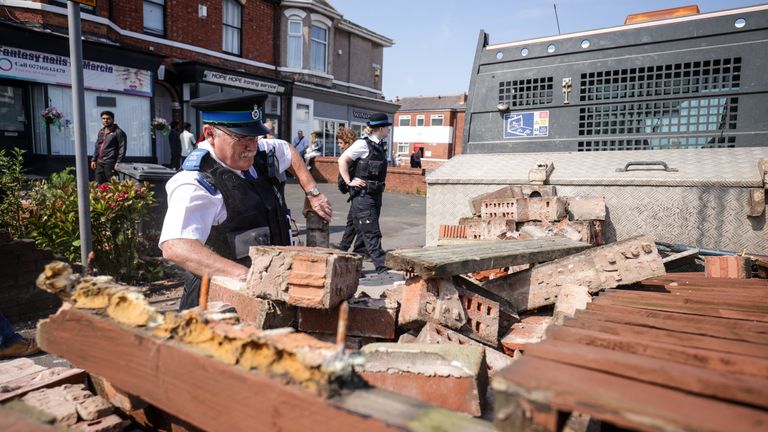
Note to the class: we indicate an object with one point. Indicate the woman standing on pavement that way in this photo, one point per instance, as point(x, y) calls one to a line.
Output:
point(345, 137)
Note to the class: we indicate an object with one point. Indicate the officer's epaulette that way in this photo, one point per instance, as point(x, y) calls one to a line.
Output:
point(206, 184)
point(193, 161)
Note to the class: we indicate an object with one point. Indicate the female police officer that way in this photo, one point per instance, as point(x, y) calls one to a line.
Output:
point(367, 159)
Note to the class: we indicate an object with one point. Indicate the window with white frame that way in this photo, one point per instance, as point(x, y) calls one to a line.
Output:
point(319, 48)
point(404, 121)
point(232, 24)
point(420, 120)
point(436, 120)
point(326, 138)
point(403, 148)
point(154, 16)
point(295, 42)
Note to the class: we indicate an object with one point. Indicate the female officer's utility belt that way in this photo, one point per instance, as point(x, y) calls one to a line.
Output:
point(372, 187)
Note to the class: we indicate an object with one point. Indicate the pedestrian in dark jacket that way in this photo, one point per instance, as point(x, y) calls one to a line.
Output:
point(416, 158)
point(110, 148)
point(175, 142)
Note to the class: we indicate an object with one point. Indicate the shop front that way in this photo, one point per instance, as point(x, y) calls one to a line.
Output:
point(199, 80)
point(36, 101)
point(324, 111)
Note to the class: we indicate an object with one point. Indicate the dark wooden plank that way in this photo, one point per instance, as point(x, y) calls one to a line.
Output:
point(721, 330)
point(715, 360)
point(686, 308)
point(753, 305)
point(631, 332)
point(625, 402)
point(726, 323)
point(705, 382)
point(447, 261)
point(209, 394)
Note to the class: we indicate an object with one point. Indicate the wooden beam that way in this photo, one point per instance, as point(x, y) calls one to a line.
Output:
point(621, 401)
point(447, 261)
point(212, 395)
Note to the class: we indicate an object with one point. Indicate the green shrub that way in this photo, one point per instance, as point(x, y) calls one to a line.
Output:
point(13, 183)
point(117, 210)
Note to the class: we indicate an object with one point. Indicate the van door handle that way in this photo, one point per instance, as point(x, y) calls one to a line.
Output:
point(647, 163)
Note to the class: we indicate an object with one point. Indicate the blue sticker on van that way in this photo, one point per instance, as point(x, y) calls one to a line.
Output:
point(526, 124)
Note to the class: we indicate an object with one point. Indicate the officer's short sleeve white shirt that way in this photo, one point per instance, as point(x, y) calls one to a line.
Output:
point(359, 148)
point(193, 210)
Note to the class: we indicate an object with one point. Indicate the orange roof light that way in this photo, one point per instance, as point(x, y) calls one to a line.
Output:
point(662, 14)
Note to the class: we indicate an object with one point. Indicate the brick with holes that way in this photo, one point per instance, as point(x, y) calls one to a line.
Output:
point(482, 317)
point(431, 300)
point(437, 334)
point(525, 209)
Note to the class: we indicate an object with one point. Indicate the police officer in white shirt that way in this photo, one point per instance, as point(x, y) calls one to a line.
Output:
point(223, 201)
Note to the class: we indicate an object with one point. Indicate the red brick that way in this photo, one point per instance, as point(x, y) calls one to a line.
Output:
point(453, 377)
point(453, 231)
point(525, 209)
point(483, 316)
point(262, 313)
point(303, 276)
point(110, 423)
point(432, 300)
point(437, 334)
point(531, 329)
point(731, 267)
point(367, 317)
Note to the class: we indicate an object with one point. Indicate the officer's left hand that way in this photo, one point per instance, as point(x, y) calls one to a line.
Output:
point(320, 205)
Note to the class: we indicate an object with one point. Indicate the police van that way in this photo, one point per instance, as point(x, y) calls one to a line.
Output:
point(666, 116)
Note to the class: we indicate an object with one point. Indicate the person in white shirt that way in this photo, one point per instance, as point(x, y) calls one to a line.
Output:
point(188, 141)
point(225, 198)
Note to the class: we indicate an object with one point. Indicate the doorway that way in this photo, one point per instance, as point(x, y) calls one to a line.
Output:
point(164, 109)
point(15, 124)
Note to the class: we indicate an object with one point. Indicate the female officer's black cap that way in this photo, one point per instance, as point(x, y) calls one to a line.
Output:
point(241, 114)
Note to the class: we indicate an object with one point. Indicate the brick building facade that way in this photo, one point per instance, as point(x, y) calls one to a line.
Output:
point(149, 58)
point(433, 125)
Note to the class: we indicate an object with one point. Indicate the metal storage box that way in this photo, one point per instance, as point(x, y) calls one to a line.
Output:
point(704, 203)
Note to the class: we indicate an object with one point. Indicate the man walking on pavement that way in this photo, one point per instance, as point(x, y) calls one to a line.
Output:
point(175, 142)
point(366, 158)
point(187, 141)
point(110, 148)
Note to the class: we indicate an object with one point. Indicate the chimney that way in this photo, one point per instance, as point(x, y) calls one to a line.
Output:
point(463, 98)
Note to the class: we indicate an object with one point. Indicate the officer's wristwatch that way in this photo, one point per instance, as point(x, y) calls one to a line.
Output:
point(313, 192)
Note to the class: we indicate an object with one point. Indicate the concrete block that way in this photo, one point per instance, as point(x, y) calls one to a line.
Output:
point(431, 300)
point(437, 334)
point(731, 267)
point(586, 208)
point(303, 276)
point(451, 376)
point(368, 317)
point(262, 313)
point(530, 330)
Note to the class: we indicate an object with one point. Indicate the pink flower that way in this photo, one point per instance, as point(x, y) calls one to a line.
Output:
point(121, 196)
point(103, 187)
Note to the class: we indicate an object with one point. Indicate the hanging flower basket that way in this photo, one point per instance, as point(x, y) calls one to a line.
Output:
point(52, 116)
point(159, 124)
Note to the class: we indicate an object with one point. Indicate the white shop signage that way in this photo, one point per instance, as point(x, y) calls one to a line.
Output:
point(242, 82)
point(47, 68)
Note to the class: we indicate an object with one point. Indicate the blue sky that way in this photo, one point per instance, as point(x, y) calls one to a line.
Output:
point(435, 40)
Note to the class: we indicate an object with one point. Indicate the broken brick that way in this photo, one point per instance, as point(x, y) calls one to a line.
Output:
point(530, 330)
point(731, 267)
point(368, 317)
point(303, 276)
point(570, 299)
point(487, 229)
point(574, 230)
point(262, 313)
point(482, 317)
point(110, 423)
point(452, 232)
point(451, 376)
point(430, 300)
point(586, 208)
point(437, 334)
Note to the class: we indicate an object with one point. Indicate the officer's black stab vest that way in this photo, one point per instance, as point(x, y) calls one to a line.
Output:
point(374, 166)
point(250, 204)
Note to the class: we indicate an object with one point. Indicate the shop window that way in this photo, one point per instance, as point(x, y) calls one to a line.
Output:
point(319, 48)
point(154, 17)
point(132, 114)
point(326, 130)
point(295, 42)
point(40, 140)
point(232, 23)
point(358, 128)
point(272, 106)
point(404, 121)
point(420, 120)
point(302, 112)
point(436, 120)
point(403, 148)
